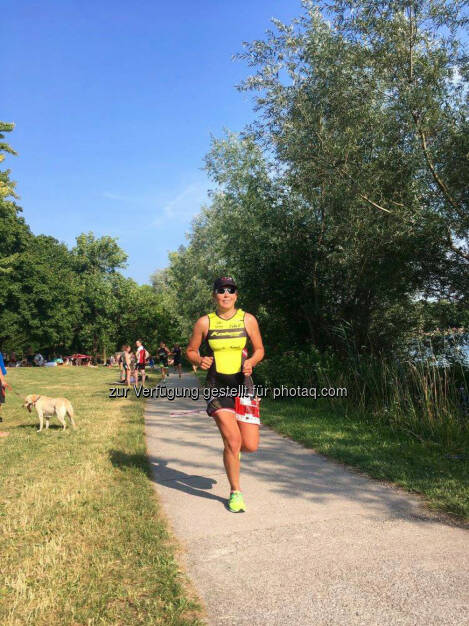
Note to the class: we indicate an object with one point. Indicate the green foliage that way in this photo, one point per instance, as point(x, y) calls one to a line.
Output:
point(44, 296)
point(98, 256)
point(345, 203)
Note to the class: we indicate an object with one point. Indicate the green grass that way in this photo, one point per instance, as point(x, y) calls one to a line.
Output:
point(439, 474)
point(83, 538)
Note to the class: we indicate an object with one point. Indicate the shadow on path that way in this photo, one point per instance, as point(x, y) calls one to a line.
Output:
point(160, 473)
point(286, 468)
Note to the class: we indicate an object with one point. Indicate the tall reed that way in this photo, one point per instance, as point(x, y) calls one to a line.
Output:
point(422, 396)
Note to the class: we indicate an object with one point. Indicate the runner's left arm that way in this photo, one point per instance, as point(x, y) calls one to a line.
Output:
point(252, 328)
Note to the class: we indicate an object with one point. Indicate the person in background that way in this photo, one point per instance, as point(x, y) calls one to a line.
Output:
point(3, 384)
point(141, 358)
point(120, 362)
point(126, 363)
point(39, 360)
point(163, 353)
point(177, 354)
point(133, 361)
point(30, 357)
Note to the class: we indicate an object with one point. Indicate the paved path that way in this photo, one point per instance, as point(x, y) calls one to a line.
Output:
point(319, 544)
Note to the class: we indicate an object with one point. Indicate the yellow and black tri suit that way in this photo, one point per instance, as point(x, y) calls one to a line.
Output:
point(226, 340)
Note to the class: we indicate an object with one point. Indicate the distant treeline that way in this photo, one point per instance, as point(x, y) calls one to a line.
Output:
point(53, 299)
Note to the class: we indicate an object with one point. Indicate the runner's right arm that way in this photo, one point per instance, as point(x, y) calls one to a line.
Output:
point(198, 335)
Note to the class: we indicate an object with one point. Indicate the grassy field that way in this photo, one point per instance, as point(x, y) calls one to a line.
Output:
point(83, 540)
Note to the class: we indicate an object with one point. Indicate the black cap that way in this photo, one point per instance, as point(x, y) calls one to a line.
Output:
point(224, 281)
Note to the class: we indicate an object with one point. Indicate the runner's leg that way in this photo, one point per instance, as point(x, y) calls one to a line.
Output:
point(228, 427)
point(249, 436)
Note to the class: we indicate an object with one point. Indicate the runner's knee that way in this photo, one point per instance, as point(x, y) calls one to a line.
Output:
point(233, 444)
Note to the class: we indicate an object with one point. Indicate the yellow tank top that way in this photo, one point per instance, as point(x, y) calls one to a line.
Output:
point(226, 339)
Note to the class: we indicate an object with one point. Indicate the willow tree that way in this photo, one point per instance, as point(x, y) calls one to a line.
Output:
point(364, 110)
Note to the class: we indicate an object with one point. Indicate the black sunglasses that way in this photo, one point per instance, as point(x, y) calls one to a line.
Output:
point(221, 290)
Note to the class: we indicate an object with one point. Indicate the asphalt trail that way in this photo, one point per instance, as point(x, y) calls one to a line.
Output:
point(319, 543)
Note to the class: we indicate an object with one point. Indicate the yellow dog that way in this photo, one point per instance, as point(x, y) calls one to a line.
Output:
point(45, 407)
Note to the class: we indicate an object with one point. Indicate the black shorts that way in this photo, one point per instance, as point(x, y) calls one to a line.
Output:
point(177, 360)
point(163, 362)
point(140, 366)
point(226, 403)
point(2, 394)
point(230, 382)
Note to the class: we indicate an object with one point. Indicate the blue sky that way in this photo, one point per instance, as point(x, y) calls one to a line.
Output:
point(114, 104)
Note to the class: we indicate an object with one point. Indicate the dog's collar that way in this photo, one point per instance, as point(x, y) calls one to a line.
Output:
point(38, 398)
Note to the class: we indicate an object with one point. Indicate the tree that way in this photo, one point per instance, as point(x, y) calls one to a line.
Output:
point(14, 239)
point(358, 113)
point(44, 297)
point(102, 255)
point(55, 300)
point(140, 314)
point(96, 261)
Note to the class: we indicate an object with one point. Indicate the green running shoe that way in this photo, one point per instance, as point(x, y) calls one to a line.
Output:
point(236, 502)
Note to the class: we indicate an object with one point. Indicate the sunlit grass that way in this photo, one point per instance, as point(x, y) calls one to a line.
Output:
point(83, 540)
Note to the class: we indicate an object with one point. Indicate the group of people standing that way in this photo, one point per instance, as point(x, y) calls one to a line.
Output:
point(133, 364)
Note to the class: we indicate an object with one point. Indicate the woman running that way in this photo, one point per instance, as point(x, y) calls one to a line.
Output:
point(163, 352)
point(226, 331)
point(177, 359)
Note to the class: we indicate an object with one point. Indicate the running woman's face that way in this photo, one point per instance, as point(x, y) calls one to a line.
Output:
point(225, 300)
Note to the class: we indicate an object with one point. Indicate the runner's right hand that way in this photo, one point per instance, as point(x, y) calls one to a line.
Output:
point(206, 362)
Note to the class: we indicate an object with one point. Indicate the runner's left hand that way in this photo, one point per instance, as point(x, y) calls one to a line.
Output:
point(247, 367)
